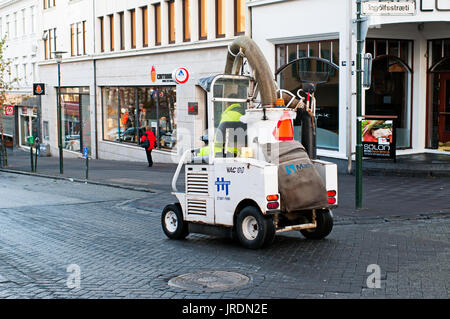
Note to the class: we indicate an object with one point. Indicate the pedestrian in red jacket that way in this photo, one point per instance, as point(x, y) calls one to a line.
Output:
point(150, 145)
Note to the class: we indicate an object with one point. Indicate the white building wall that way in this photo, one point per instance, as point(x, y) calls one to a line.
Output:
point(22, 40)
point(282, 22)
point(291, 21)
point(132, 66)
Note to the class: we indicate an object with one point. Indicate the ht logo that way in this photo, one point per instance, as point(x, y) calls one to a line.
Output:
point(221, 183)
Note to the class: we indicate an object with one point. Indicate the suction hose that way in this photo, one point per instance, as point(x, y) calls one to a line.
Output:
point(263, 74)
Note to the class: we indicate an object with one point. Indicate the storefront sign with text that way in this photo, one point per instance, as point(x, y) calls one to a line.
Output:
point(378, 138)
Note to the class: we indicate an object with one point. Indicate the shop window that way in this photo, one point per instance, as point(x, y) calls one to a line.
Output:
point(45, 131)
point(129, 112)
point(296, 60)
point(75, 104)
point(390, 93)
point(110, 114)
point(291, 52)
point(438, 103)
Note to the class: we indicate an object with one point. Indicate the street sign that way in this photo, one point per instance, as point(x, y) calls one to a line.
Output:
point(181, 75)
point(388, 8)
point(86, 152)
point(9, 110)
point(39, 88)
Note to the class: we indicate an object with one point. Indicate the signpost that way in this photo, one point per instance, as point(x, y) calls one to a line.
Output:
point(370, 8)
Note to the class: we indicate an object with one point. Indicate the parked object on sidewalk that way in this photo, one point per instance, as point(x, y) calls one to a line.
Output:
point(238, 187)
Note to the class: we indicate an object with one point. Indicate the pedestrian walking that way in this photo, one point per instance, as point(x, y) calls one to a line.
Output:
point(148, 142)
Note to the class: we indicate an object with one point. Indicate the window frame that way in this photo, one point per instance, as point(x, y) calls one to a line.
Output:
point(236, 18)
point(202, 21)
point(171, 21)
point(132, 28)
point(158, 31)
point(222, 19)
point(186, 20)
point(145, 29)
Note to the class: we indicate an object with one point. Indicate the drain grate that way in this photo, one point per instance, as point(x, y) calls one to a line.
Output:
point(209, 281)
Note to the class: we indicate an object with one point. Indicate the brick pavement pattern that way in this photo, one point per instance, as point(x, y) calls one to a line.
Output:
point(123, 253)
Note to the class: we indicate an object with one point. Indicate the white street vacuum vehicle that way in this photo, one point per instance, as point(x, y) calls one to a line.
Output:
point(253, 180)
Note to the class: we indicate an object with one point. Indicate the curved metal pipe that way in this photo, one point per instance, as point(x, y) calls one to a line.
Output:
point(263, 74)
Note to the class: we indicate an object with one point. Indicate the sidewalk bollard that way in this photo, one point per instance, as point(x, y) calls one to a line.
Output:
point(30, 143)
point(37, 146)
point(86, 156)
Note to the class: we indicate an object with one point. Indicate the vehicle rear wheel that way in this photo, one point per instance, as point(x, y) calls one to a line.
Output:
point(172, 222)
point(324, 219)
point(253, 229)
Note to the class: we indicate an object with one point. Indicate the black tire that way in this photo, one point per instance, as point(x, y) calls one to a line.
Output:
point(172, 222)
point(254, 230)
point(324, 220)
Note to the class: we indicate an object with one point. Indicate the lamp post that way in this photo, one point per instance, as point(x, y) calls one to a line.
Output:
point(58, 58)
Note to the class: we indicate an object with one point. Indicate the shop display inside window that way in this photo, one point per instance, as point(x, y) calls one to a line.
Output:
point(129, 112)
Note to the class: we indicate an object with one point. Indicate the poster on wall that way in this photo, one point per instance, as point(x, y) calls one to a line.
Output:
point(378, 138)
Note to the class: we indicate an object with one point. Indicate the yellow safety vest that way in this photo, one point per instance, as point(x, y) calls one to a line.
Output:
point(232, 113)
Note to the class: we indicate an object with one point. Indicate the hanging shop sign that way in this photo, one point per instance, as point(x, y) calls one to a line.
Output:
point(388, 8)
point(39, 88)
point(378, 138)
point(192, 108)
point(8, 110)
point(153, 74)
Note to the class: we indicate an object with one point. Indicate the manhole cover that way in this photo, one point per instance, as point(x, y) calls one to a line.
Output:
point(209, 281)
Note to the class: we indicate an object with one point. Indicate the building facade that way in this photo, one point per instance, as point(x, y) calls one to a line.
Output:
point(116, 75)
point(19, 23)
point(410, 80)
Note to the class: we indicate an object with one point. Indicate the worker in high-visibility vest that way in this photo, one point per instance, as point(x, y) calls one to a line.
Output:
point(231, 117)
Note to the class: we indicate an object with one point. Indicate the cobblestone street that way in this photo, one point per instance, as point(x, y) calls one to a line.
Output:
point(121, 251)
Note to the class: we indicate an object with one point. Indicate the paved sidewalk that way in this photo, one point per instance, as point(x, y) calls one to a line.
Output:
point(389, 197)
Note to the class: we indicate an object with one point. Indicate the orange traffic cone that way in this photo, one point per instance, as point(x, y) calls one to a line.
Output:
point(285, 129)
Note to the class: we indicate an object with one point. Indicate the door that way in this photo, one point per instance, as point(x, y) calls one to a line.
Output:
point(444, 109)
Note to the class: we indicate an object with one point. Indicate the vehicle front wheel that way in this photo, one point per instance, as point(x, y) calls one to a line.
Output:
point(324, 219)
point(172, 222)
point(253, 229)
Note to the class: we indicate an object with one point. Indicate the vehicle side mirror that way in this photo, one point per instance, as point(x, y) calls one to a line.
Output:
point(367, 71)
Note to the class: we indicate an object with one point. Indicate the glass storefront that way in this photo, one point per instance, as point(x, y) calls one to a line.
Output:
point(28, 124)
point(294, 61)
point(438, 104)
point(390, 93)
point(75, 106)
point(128, 111)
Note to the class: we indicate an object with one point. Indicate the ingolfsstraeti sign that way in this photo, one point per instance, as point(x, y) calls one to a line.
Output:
point(388, 8)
